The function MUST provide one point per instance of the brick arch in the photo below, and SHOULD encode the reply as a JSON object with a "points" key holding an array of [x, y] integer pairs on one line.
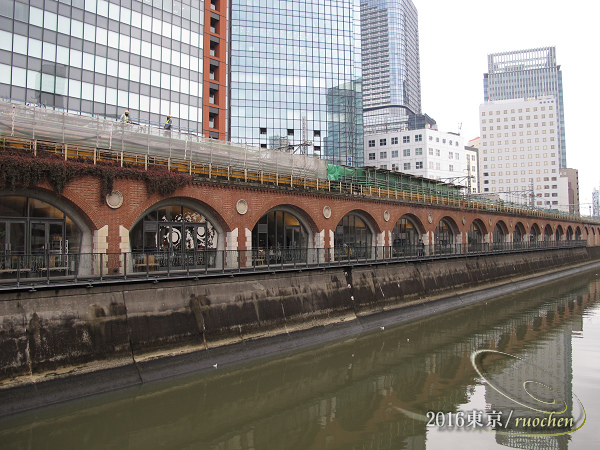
{"points": [[548, 232], [415, 220], [207, 211], [301, 214], [482, 225], [569, 233], [538, 232], [503, 226], [81, 217], [453, 226], [371, 221], [560, 231], [524, 235], [451, 221]]}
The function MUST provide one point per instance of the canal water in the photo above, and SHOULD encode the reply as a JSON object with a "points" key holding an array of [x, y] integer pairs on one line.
{"points": [[488, 376]]}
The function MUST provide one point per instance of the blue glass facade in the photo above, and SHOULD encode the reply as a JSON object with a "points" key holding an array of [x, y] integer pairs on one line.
{"points": [[101, 57], [295, 76], [526, 74], [391, 65]]}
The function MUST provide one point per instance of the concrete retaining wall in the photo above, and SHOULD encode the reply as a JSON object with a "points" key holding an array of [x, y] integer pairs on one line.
{"points": [[53, 333]]}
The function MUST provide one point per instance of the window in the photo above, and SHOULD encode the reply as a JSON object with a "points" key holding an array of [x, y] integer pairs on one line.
{"points": [[418, 138], [263, 131], [451, 168], [394, 141], [382, 155], [407, 166], [290, 132], [418, 151], [437, 152], [450, 155], [383, 166], [394, 153], [406, 152], [430, 151], [372, 143], [395, 167], [405, 139], [382, 142], [419, 165], [371, 156]]}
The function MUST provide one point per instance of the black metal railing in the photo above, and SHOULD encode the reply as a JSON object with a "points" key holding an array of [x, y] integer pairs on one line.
{"points": [[31, 270]]}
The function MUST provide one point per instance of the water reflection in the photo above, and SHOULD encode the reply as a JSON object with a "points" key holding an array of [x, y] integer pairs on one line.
{"points": [[369, 392]]}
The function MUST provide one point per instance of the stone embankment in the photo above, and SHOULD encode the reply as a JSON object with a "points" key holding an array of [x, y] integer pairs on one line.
{"points": [[61, 344]]}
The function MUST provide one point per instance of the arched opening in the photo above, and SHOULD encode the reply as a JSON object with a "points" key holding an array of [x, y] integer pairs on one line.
{"points": [[36, 239], [353, 238], [444, 236], [475, 236], [499, 236], [405, 237], [558, 236], [534, 235], [173, 237], [547, 233], [569, 234], [518, 235], [279, 238]]}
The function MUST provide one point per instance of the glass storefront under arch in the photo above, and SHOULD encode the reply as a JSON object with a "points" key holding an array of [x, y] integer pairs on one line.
{"points": [[534, 235], [518, 234], [279, 238], [405, 237], [36, 237], [547, 233], [174, 236], [444, 237], [499, 236], [353, 238], [569, 234], [475, 237]]}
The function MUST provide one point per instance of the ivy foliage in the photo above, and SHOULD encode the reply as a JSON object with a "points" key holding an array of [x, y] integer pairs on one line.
{"points": [[22, 169]]}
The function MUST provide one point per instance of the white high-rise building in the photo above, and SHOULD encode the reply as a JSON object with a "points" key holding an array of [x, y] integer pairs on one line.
{"points": [[426, 152], [519, 157]]}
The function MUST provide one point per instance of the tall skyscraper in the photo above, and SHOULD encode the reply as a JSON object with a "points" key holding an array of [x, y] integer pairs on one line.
{"points": [[295, 77], [103, 57], [527, 74], [391, 67]]}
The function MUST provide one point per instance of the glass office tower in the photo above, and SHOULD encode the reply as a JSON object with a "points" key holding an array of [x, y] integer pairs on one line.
{"points": [[103, 57], [526, 74], [295, 77], [391, 67]]}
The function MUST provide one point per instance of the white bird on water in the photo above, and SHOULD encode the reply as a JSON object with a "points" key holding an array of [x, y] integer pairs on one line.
{"points": [[383, 328], [215, 365]]}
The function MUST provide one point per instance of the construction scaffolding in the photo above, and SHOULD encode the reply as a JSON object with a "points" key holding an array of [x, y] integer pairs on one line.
{"points": [[34, 122]]}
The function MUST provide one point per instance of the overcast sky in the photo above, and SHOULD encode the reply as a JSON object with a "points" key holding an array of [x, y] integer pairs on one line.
{"points": [[457, 35]]}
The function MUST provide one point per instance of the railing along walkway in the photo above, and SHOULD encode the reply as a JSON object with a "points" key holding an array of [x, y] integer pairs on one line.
{"points": [[19, 271]]}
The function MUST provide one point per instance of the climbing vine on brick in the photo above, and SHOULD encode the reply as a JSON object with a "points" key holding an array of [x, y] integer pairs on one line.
{"points": [[22, 169]]}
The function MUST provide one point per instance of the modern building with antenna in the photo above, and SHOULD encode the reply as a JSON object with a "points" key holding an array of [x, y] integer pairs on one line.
{"points": [[527, 74]]}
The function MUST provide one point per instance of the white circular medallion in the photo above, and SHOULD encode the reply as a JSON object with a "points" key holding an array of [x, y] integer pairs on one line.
{"points": [[327, 212], [114, 200], [241, 207], [386, 216], [464, 220], [429, 218]]}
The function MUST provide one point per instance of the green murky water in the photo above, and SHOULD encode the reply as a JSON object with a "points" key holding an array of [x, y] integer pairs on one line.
{"points": [[396, 388]]}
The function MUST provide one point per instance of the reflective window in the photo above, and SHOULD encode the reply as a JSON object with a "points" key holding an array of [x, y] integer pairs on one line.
{"points": [[279, 238]]}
